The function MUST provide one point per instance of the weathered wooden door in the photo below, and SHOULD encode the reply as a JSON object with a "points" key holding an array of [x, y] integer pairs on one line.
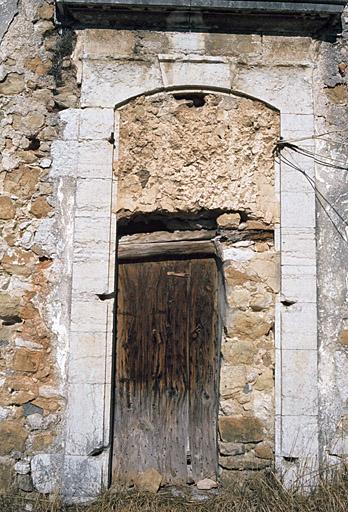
{"points": [[166, 369]]}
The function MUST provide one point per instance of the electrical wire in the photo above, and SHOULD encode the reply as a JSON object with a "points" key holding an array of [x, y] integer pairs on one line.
{"points": [[317, 136], [319, 159], [313, 184], [321, 198], [333, 141]]}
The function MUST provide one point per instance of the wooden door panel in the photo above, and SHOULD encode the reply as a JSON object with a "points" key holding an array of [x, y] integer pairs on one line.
{"points": [[166, 364], [151, 372]]}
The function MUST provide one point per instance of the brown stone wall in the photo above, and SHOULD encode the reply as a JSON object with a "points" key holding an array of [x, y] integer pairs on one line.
{"points": [[35, 83], [177, 157], [246, 421]]}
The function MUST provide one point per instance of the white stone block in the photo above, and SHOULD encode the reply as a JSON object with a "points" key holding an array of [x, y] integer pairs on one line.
{"points": [[92, 251], [89, 316], [298, 246], [90, 277], [93, 198], [299, 382], [278, 87], [47, 474], [297, 210], [107, 423], [187, 42], [83, 477], [107, 43], [198, 71], [71, 120], [277, 385], [95, 159], [297, 126], [298, 283], [87, 233], [64, 158], [277, 435], [4, 412], [22, 467], [96, 123], [299, 436], [85, 344], [299, 326], [108, 83], [237, 254], [84, 418], [293, 180], [277, 50], [89, 369]]}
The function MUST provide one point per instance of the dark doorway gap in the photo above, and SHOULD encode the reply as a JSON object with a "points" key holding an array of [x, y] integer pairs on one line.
{"points": [[178, 221]]}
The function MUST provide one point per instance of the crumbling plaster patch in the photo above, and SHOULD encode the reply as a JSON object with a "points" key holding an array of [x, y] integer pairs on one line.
{"points": [[175, 157], [9, 8]]}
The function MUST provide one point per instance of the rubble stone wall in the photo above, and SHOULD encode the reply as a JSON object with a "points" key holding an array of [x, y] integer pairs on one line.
{"points": [[37, 80]]}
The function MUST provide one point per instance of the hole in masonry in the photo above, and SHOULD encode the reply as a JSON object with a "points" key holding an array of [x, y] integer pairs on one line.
{"points": [[287, 302], [44, 258], [194, 99], [34, 143], [106, 296], [11, 320], [290, 459], [97, 451], [149, 223]]}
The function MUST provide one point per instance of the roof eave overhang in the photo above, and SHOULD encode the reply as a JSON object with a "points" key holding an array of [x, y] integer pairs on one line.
{"points": [[306, 17]]}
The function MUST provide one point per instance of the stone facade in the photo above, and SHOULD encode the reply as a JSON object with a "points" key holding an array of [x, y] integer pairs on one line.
{"points": [[80, 113]]}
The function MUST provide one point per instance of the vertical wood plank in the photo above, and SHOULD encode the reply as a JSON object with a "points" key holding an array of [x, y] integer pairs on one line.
{"points": [[203, 362]]}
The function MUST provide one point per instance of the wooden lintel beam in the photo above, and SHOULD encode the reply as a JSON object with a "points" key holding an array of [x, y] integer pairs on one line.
{"points": [[166, 249]]}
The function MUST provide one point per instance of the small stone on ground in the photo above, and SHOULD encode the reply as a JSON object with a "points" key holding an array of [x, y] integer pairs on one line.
{"points": [[150, 480], [206, 484]]}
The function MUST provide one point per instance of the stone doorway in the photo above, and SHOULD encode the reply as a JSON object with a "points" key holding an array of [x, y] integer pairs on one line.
{"points": [[201, 165]]}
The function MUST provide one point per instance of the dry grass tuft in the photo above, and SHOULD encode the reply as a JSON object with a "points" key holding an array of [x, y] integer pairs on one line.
{"points": [[262, 494]]}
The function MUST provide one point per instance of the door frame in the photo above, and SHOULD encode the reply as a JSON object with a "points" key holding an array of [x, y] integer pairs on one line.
{"points": [[187, 244]]}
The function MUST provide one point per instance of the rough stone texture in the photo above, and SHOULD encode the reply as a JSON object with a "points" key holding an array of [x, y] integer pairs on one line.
{"points": [[162, 167], [240, 429], [12, 437], [247, 372], [6, 477], [331, 117], [206, 484], [35, 67], [7, 208], [8, 11]]}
